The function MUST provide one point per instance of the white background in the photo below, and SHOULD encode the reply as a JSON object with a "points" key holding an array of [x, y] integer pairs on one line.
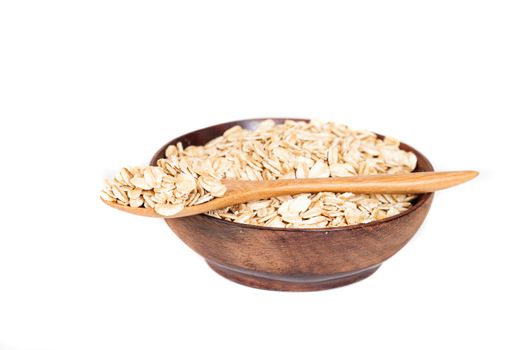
{"points": [[89, 86]]}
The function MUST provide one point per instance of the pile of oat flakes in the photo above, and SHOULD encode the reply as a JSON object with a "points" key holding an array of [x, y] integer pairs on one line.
{"points": [[192, 175]]}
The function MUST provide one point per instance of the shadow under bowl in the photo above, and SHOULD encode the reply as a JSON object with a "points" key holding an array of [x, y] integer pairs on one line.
{"points": [[295, 259]]}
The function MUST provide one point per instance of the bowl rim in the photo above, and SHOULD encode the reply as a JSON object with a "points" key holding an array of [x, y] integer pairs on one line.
{"points": [[422, 200]]}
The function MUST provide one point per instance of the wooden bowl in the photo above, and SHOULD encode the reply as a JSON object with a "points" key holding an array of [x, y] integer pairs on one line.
{"points": [[294, 259]]}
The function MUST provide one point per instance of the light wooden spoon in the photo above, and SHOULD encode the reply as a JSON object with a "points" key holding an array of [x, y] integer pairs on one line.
{"points": [[241, 191]]}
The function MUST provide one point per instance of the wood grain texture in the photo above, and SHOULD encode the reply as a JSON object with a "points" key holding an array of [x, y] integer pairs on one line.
{"points": [[242, 191], [295, 259]]}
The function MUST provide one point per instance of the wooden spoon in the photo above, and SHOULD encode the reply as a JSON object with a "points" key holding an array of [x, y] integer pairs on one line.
{"points": [[241, 191]]}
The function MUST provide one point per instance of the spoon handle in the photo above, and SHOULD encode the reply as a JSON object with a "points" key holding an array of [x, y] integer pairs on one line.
{"points": [[420, 182]]}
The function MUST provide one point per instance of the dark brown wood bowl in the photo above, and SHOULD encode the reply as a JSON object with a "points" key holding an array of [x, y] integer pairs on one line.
{"points": [[295, 259]]}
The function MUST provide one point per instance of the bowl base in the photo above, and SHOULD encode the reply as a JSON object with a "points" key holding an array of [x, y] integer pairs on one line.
{"points": [[286, 283]]}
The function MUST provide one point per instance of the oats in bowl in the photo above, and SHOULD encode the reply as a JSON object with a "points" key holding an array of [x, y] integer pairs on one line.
{"points": [[191, 175]]}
